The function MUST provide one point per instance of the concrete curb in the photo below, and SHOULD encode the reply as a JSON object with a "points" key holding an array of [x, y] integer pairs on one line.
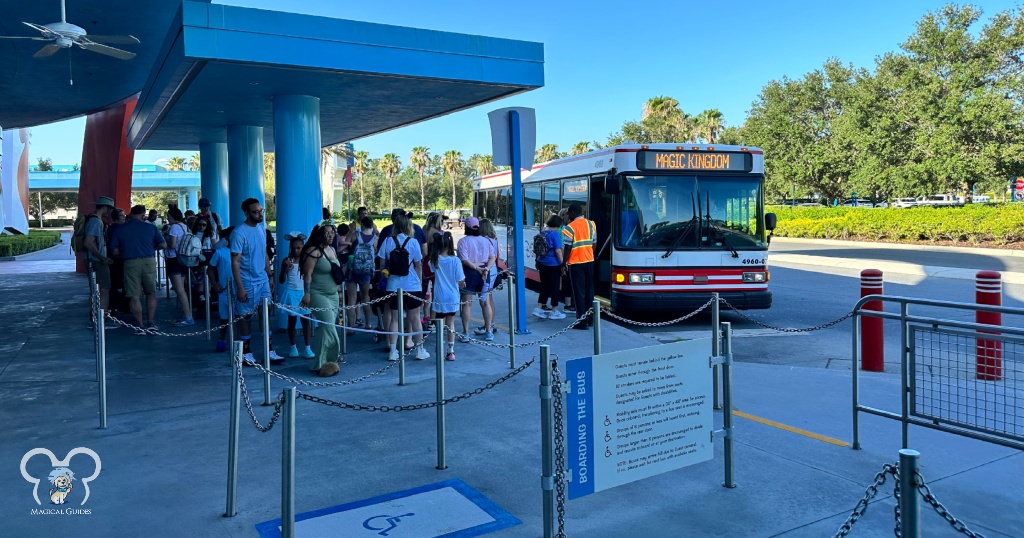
{"points": [[26, 255], [905, 246], [788, 260]]}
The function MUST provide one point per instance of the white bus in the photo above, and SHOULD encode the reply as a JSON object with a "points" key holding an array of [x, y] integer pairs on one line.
{"points": [[675, 222]]}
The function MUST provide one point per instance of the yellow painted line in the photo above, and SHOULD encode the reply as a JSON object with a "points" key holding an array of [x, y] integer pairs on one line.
{"points": [[790, 429], [480, 320]]}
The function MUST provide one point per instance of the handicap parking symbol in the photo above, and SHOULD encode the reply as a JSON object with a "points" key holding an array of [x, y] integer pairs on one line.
{"points": [[388, 522]]}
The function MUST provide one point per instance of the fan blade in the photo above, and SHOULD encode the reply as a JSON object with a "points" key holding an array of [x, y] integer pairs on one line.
{"points": [[36, 38], [114, 39], [103, 49], [47, 33], [48, 50]]}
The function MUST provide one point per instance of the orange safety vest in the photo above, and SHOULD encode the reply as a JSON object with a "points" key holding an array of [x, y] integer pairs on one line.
{"points": [[580, 234]]}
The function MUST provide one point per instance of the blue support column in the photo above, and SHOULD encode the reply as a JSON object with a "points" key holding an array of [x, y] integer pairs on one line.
{"points": [[193, 200], [297, 165], [245, 169], [517, 233], [213, 177]]}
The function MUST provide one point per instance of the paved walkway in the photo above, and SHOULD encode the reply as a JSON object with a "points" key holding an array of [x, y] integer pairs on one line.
{"points": [[164, 453]]}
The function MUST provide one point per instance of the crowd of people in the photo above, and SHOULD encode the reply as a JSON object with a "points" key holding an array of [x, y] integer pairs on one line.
{"points": [[439, 279]]}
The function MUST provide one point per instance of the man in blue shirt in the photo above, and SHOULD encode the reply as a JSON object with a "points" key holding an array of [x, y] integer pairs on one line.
{"points": [[250, 268], [136, 242]]}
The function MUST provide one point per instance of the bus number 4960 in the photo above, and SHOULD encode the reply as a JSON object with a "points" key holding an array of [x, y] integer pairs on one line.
{"points": [[753, 261]]}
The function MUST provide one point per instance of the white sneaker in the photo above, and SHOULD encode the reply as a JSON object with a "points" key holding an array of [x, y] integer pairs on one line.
{"points": [[274, 357], [555, 314], [421, 354], [540, 313], [248, 360], [464, 339], [393, 354], [489, 336], [479, 331]]}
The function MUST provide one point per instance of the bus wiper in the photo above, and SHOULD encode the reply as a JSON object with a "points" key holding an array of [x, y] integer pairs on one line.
{"points": [[685, 231], [719, 232]]}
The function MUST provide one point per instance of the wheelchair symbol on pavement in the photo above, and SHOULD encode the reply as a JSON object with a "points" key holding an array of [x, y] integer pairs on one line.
{"points": [[389, 522]]}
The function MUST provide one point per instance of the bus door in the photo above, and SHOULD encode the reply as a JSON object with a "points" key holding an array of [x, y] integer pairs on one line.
{"points": [[602, 207]]}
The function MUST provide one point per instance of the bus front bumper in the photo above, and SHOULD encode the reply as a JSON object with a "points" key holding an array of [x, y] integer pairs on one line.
{"points": [[683, 302]]}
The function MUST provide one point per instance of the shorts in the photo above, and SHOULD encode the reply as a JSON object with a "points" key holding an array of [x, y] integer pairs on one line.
{"points": [[102, 271], [443, 315], [355, 278], [257, 291], [139, 277], [222, 305], [411, 300], [175, 268]]}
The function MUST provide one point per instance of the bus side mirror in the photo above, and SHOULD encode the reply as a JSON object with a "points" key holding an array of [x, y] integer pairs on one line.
{"points": [[612, 183], [770, 221]]}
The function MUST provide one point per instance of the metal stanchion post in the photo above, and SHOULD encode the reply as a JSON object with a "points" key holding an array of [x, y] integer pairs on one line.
{"points": [[266, 351], [716, 349], [595, 316], [288, 465], [511, 324], [167, 279], [400, 342], [206, 294], [727, 444], [101, 365], [547, 443], [439, 356], [236, 404], [188, 292], [344, 319], [910, 508]]}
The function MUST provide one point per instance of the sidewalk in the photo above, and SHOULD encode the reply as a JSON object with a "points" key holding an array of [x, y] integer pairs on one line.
{"points": [[164, 455]]}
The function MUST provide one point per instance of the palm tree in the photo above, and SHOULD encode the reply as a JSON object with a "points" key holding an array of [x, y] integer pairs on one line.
{"points": [[711, 123], [658, 106], [452, 163], [193, 162], [547, 152], [359, 167], [390, 165], [579, 148], [482, 164], [176, 163], [419, 159]]}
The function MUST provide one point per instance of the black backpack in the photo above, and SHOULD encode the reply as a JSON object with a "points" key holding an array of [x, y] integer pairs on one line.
{"points": [[398, 259], [540, 244]]}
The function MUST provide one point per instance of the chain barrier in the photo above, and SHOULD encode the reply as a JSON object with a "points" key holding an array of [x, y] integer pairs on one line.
{"points": [[581, 319], [278, 405], [786, 329], [929, 498], [290, 312], [259, 367], [612, 315], [155, 332], [890, 469], [414, 407], [556, 394]]}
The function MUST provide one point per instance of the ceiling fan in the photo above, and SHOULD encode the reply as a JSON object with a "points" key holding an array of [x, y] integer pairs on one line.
{"points": [[62, 35]]}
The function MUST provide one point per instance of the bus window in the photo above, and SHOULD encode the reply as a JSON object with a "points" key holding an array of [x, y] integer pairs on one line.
{"points": [[503, 203], [478, 202], [491, 205], [575, 190], [551, 201], [531, 205]]}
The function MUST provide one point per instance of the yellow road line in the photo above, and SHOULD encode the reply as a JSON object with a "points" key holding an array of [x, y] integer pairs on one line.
{"points": [[480, 320], [790, 429]]}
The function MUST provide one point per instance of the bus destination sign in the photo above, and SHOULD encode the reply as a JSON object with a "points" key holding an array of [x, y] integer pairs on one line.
{"points": [[707, 161]]}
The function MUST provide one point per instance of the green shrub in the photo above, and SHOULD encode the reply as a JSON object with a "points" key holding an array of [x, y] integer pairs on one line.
{"points": [[15, 245], [971, 224]]}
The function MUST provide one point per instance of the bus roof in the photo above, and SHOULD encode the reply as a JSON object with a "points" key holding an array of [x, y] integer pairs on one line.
{"points": [[603, 160]]}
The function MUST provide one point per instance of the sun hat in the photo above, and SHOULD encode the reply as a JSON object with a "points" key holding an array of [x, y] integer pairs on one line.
{"points": [[472, 222], [105, 201]]}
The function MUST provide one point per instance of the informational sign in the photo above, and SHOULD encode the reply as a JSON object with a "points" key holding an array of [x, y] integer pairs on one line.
{"points": [[694, 160], [500, 144], [637, 413], [1017, 189]]}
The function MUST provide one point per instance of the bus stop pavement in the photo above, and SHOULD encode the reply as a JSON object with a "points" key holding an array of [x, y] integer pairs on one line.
{"points": [[164, 454]]}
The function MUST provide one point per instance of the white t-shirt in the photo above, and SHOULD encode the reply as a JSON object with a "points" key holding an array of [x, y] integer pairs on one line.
{"points": [[410, 282], [177, 231], [447, 275]]}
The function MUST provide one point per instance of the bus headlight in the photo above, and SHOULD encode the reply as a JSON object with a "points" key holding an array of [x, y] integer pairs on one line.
{"points": [[755, 277], [641, 278]]}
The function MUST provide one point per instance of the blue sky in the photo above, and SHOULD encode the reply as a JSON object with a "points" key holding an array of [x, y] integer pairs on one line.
{"points": [[604, 59]]}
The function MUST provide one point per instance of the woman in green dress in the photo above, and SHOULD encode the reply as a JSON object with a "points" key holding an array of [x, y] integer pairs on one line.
{"points": [[321, 294]]}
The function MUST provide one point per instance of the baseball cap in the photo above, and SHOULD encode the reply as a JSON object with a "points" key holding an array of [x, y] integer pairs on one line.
{"points": [[204, 202], [105, 201], [472, 222]]}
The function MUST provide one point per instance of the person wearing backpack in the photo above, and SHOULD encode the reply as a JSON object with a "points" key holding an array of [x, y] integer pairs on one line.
{"points": [[176, 232], [402, 256], [363, 265], [547, 248], [90, 236]]}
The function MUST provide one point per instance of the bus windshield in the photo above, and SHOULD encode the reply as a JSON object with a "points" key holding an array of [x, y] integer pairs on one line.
{"points": [[691, 212]]}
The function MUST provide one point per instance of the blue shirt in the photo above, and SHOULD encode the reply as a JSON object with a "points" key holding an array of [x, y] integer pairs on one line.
{"points": [[251, 243], [553, 240], [136, 239]]}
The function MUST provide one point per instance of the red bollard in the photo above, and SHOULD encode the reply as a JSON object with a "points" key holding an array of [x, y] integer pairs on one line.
{"points": [[872, 340], [989, 353]]}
